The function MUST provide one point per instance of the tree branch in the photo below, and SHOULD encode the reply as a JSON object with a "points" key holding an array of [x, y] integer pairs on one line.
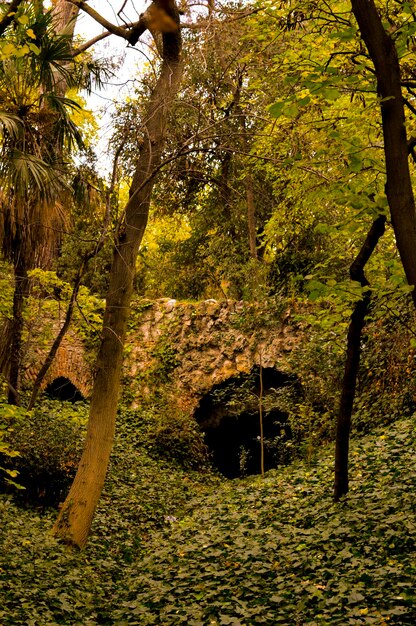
{"points": [[234, 18], [133, 32], [91, 42], [120, 31], [8, 18]]}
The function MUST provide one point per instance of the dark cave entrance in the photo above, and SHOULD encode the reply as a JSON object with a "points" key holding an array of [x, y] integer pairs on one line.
{"points": [[229, 417], [62, 389]]}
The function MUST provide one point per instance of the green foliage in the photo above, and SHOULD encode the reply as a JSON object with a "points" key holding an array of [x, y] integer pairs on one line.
{"points": [[42, 448], [387, 387], [6, 451], [175, 437], [261, 314], [258, 551], [386, 384], [6, 286], [147, 484], [49, 442], [165, 359], [51, 294], [252, 551], [89, 319]]}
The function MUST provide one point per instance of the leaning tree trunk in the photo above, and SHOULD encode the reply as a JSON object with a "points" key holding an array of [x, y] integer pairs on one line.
{"points": [[74, 295], [352, 361], [40, 377], [399, 190], [75, 517]]}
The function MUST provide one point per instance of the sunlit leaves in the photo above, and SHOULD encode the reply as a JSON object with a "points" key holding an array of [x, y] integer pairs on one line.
{"points": [[23, 19], [10, 124], [16, 42]]}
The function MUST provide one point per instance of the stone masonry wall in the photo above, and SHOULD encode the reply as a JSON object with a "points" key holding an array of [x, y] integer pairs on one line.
{"points": [[193, 346], [181, 348]]}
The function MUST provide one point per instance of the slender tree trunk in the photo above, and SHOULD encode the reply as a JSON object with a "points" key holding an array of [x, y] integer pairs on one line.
{"points": [[261, 418], [21, 293], [399, 190], [77, 284], [251, 215], [5, 339], [75, 518], [352, 361], [58, 339]]}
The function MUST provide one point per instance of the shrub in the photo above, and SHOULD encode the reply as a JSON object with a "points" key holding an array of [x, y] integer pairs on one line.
{"points": [[176, 437], [7, 469], [49, 443]]}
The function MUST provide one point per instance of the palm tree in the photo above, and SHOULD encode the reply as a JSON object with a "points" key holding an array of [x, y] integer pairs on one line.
{"points": [[36, 137]]}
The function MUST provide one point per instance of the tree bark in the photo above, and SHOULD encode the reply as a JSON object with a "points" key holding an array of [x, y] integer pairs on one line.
{"points": [[75, 517], [65, 14], [352, 360], [20, 295], [398, 186], [251, 215], [58, 339]]}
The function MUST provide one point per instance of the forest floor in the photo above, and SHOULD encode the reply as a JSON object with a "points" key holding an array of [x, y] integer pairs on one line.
{"points": [[170, 546]]}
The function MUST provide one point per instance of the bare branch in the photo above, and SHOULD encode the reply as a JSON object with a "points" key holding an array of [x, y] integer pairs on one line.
{"points": [[82, 48], [233, 18], [120, 31]]}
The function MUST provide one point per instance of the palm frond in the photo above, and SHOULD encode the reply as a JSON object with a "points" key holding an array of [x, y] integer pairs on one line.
{"points": [[27, 175], [65, 131], [55, 61], [94, 73], [11, 124]]}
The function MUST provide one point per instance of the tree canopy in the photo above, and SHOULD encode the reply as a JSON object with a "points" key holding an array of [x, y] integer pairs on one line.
{"points": [[264, 153]]}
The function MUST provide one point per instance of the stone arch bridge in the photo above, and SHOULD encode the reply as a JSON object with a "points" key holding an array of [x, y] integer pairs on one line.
{"points": [[188, 348], [209, 359]]}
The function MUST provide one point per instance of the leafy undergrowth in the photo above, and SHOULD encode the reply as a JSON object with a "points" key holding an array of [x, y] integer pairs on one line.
{"points": [[252, 551]]}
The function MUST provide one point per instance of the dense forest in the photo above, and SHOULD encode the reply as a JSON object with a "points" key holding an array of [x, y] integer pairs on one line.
{"points": [[207, 312]]}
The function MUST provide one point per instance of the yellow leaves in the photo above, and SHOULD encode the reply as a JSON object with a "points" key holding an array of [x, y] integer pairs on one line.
{"points": [[34, 48], [82, 117], [22, 51], [11, 473], [8, 50], [23, 19], [11, 49]]}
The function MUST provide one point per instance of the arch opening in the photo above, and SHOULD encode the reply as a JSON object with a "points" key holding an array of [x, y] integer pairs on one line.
{"points": [[229, 416], [64, 390]]}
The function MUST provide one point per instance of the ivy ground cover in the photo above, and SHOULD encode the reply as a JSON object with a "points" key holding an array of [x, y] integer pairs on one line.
{"points": [[241, 552]]}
